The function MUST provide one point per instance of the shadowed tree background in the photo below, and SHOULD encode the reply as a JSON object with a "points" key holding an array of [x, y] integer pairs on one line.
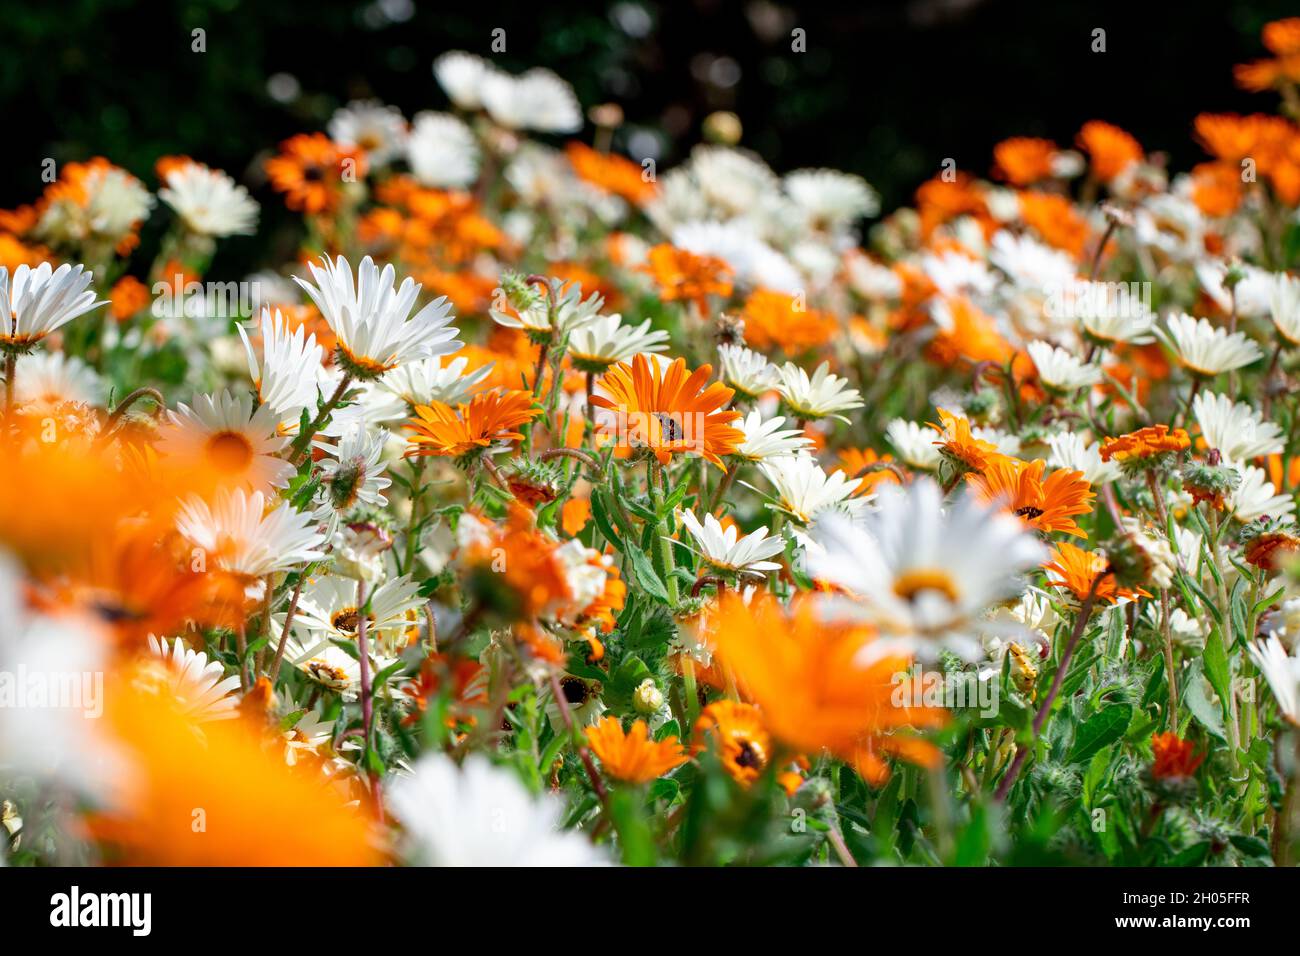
{"points": [[887, 90]]}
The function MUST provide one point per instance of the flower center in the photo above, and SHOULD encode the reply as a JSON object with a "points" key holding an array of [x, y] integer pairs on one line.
{"points": [[914, 582], [348, 619], [230, 452]]}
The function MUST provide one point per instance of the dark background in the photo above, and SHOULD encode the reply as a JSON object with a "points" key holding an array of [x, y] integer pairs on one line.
{"points": [[885, 89]]}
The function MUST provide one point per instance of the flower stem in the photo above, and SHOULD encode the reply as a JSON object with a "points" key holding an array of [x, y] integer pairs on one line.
{"points": [[301, 447]]}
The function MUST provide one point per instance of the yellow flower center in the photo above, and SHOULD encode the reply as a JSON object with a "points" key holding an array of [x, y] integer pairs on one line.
{"points": [[911, 583], [230, 452]]}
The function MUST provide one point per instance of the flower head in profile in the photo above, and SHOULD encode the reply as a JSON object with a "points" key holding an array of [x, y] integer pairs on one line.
{"points": [[632, 756], [668, 410], [1208, 351], [804, 490], [962, 452], [1062, 371], [1282, 671], [597, 345], [746, 371], [287, 377], [725, 551], [489, 418], [1045, 505], [1150, 447], [768, 439], [425, 381], [36, 302], [555, 309], [197, 685], [820, 396], [371, 316], [249, 537]]}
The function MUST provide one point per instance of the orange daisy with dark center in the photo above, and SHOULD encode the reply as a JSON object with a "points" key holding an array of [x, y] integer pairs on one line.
{"points": [[669, 410], [1043, 504], [743, 743], [1075, 569]]}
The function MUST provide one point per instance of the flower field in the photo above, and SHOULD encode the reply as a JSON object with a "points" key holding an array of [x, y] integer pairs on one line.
{"points": [[546, 506]]}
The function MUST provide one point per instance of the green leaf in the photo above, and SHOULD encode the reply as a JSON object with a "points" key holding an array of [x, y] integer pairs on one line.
{"points": [[1101, 729], [645, 574], [1196, 697], [1215, 663]]}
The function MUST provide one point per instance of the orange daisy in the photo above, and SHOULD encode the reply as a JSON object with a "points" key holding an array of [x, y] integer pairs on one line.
{"points": [[633, 757], [1075, 569], [1174, 758], [744, 745], [683, 276], [310, 170], [1110, 149], [669, 410], [774, 319], [1045, 505], [1145, 443], [610, 173], [490, 416], [853, 461], [959, 445], [1024, 160], [809, 678]]}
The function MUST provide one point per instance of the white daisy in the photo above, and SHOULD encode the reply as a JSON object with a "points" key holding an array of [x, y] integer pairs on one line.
{"points": [[765, 440], [822, 396], [354, 476], [1282, 673], [923, 574], [1031, 265], [1256, 497], [1060, 370], [804, 490], [442, 151], [571, 311], [754, 262], [1070, 450], [914, 444], [1206, 350], [429, 380], [1284, 307], [478, 814], [537, 100], [372, 318], [45, 380], [332, 667], [223, 436], [831, 199], [110, 203], [1109, 314], [209, 202], [724, 550], [598, 344], [1235, 428], [747, 371], [38, 301], [1249, 297], [287, 379], [198, 684], [371, 126], [327, 611], [241, 536], [461, 76]]}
